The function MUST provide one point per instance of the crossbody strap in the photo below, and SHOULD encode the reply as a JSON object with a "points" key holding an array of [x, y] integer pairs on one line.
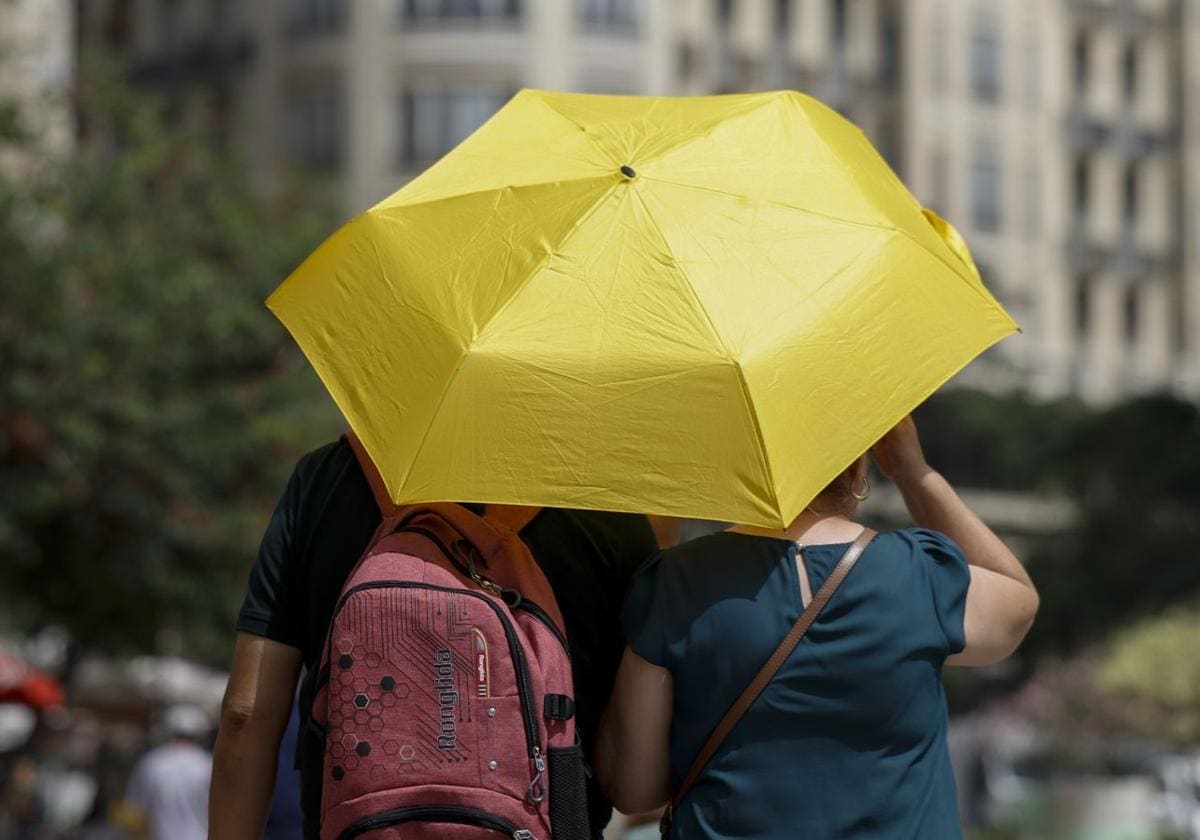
{"points": [[768, 670]]}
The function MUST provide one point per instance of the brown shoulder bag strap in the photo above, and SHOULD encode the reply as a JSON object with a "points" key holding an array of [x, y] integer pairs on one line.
{"points": [[768, 671]]}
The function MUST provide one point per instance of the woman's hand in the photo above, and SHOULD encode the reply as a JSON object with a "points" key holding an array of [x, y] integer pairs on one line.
{"points": [[898, 453]]}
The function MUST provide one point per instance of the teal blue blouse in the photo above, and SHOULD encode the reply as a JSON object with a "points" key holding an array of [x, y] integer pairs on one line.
{"points": [[849, 740]]}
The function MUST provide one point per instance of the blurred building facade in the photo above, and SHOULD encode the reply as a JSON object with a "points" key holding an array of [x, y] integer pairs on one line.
{"points": [[1062, 138], [37, 66]]}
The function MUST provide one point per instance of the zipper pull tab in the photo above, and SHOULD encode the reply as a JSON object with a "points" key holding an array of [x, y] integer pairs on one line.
{"points": [[537, 791], [523, 834]]}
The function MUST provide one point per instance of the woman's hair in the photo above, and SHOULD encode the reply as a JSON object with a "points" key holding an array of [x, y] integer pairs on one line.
{"points": [[838, 495]]}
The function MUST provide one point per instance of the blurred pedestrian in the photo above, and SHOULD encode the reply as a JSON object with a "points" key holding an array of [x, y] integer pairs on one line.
{"points": [[169, 784], [22, 802]]}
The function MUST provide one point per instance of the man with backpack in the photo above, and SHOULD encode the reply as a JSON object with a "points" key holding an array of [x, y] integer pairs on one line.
{"points": [[325, 520]]}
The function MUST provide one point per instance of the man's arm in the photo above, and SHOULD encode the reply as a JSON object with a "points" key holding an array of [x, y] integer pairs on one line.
{"points": [[254, 715]]}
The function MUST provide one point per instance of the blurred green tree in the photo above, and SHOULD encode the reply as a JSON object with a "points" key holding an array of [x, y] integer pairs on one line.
{"points": [[1153, 668], [150, 408], [1134, 471]]}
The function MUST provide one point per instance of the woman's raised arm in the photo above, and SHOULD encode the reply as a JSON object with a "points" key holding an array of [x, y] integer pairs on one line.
{"points": [[1001, 599]]}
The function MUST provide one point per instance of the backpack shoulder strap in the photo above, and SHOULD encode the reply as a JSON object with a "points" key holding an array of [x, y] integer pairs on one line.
{"points": [[768, 671], [513, 518]]}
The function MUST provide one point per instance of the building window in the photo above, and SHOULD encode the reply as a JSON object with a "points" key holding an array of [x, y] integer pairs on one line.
{"points": [[939, 182], [314, 125], [609, 14], [424, 11], [1129, 311], [1033, 201], [1081, 185], [783, 16], [939, 55], [1032, 70], [985, 193], [315, 17], [985, 64], [1129, 71], [889, 46], [1129, 193], [434, 122], [888, 134], [837, 14], [1083, 306], [1081, 59]]}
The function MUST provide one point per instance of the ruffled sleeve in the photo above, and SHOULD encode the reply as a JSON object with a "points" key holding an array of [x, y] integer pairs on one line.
{"points": [[644, 613], [949, 577]]}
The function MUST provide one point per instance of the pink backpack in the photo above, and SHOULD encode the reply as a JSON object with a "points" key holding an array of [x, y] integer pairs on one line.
{"points": [[444, 691]]}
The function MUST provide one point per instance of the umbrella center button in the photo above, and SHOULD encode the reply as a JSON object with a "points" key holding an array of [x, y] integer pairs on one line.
{"points": [[628, 172]]}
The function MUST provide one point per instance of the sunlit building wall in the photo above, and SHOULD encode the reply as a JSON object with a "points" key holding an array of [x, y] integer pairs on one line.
{"points": [[376, 91], [37, 66], [1061, 137]]}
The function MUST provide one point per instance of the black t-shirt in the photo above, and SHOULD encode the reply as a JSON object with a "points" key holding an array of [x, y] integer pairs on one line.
{"points": [[327, 515]]}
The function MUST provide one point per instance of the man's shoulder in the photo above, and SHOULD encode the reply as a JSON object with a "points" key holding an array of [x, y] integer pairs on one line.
{"points": [[320, 471]]}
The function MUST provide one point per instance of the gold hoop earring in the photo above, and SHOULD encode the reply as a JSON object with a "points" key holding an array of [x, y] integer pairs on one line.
{"points": [[862, 497]]}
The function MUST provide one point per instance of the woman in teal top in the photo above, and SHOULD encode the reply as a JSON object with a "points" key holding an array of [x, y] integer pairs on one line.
{"points": [[849, 738]]}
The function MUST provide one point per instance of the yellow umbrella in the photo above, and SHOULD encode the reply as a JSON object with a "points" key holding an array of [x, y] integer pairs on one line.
{"points": [[701, 307]]}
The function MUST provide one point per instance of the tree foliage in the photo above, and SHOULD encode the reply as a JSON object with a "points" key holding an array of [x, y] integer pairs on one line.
{"points": [[1153, 666], [150, 407]]}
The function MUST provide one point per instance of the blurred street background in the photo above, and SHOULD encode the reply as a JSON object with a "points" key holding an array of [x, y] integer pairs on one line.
{"points": [[165, 163]]}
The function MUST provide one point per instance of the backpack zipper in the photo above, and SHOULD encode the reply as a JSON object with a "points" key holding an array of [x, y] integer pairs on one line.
{"points": [[435, 813], [516, 601], [536, 791]]}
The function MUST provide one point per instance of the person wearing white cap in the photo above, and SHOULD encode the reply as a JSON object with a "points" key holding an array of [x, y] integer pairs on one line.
{"points": [[169, 784]]}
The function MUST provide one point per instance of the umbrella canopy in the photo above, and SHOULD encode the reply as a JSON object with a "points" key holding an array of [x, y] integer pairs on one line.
{"points": [[701, 307]]}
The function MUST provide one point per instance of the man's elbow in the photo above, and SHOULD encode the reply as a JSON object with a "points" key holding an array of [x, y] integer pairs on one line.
{"points": [[239, 716]]}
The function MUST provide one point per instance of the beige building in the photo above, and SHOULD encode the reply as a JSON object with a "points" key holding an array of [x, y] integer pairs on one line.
{"points": [[1062, 137], [377, 90], [37, 66]]}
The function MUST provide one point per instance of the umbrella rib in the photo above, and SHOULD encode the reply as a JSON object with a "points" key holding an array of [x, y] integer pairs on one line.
{"points": [[582, 128], [908, 196], [781, 204], [499, 311], [392, 209], [767, 98], [894, 229], [764, 461]]}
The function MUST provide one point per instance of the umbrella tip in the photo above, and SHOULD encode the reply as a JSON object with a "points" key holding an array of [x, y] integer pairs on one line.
{"points": [[628, 172]]}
